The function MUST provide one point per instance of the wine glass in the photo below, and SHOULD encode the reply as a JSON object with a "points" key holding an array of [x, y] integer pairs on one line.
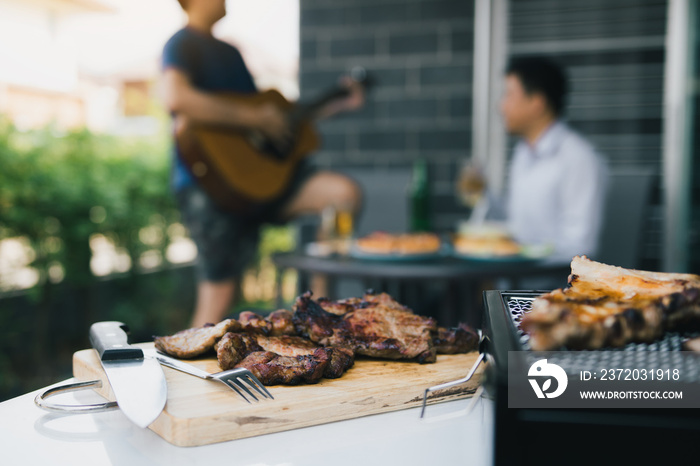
{"points": [[471, 191], [471, 183]]}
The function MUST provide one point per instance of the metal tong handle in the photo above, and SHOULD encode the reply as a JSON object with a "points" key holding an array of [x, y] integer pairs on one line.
{"points": [[42, 403], [482, 352]]}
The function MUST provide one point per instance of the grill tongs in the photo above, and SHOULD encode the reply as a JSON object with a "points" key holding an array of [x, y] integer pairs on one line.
{"points": [[482, 351]]}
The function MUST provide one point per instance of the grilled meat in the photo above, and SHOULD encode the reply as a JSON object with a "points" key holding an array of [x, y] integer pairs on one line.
{"points": [[277, 323], [339, 359], [373, 325], [253, 322], [461, 339], [282, 324], [377, 327], [234, 347], [195, 341], [282, 360], [272, 369], [340, 307], [286, 345], [343, 306], [605, 305], [692, 344]]}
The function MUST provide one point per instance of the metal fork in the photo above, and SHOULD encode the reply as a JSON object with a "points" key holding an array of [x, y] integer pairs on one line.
{"points": [[236, 379]]}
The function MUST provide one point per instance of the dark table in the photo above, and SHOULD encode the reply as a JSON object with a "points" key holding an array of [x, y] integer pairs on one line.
{"points": [[464, 278]]}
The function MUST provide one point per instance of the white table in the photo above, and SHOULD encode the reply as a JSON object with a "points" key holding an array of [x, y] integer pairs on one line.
{"points": [[446, 436]]}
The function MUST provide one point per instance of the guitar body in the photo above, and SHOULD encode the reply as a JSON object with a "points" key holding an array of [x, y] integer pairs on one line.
{"points": [[233, 167]]}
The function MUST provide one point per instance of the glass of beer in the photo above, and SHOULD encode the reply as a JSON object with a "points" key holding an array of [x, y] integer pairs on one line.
{"points": [[344, 228]]}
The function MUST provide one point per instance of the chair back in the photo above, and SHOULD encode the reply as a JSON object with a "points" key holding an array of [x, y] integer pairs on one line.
{"points": [[626, 209]]}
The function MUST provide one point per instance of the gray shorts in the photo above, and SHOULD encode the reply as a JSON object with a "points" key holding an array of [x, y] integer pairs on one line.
{"points": [[228, 242]]}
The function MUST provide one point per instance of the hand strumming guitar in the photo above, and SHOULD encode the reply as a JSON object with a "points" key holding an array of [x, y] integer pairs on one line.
{"points": [[272, 122]]}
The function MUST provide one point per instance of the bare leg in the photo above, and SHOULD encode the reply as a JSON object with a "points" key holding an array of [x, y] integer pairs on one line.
{"points": [[319, 286], [213, 301], [321, 190], [324, 189]]}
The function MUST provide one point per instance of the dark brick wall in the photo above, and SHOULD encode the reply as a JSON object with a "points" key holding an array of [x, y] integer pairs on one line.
{"points": [[420, 52]]}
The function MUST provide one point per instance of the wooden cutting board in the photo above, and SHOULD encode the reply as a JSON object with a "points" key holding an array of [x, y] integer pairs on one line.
{"points": [[200, 412]]}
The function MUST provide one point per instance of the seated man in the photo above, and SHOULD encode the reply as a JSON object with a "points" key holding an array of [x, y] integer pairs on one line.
{"points": [[557, 181]]}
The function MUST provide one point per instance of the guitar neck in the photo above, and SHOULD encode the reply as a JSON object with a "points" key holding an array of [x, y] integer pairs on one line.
{"points": [[310, 110]]}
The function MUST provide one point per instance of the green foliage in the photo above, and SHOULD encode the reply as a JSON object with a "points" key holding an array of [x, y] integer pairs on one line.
{"points": [[57, 190], [275, 239]]}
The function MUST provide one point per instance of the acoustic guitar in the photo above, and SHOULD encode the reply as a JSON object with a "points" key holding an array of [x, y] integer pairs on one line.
{"points": [[241, 169]]}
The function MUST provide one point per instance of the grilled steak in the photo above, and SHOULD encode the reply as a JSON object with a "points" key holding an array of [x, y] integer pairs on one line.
{"points": [[234, 347], [253, 322], [461, 339], [339, 307], [605, 305], [343, 306], [195, 341], [339, 359], [281, 322], [277, 323], [377, 327], [273, 349], [272, 369], [282, 360], [286, 345]]}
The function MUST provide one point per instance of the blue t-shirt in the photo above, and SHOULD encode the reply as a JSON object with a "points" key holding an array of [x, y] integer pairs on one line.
{"points": [[212, 66]]}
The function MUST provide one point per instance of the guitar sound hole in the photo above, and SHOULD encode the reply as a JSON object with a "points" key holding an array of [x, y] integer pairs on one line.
{"points": [[265, 146]]}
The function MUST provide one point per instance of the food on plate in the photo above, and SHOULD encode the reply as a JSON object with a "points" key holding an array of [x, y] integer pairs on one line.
{"points": [[407, 243], [320, 338], [193, 342], [498, 246], [604, 305], [377, 243]]}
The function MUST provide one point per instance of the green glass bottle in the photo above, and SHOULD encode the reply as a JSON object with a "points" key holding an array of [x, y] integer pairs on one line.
{"points": [[420, 197]]}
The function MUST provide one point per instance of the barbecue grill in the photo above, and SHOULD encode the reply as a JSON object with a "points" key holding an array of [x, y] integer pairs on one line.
{"points": [[579, 436]]}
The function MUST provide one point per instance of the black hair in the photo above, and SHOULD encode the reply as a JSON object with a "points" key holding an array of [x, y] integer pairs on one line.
{"points": [[540, 75]]}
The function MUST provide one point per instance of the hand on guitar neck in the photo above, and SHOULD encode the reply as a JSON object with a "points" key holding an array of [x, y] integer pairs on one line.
{"points": [[354, 100]]}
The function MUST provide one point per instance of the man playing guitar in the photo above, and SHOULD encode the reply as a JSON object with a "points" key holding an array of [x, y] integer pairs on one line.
{"points": [[196, 66]]}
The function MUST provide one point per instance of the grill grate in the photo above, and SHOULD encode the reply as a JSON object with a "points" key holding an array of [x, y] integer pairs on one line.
{"points": [[665, 352]]}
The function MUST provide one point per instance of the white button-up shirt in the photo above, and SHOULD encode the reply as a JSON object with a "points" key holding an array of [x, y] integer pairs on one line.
{"points": [[556, 193]]}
